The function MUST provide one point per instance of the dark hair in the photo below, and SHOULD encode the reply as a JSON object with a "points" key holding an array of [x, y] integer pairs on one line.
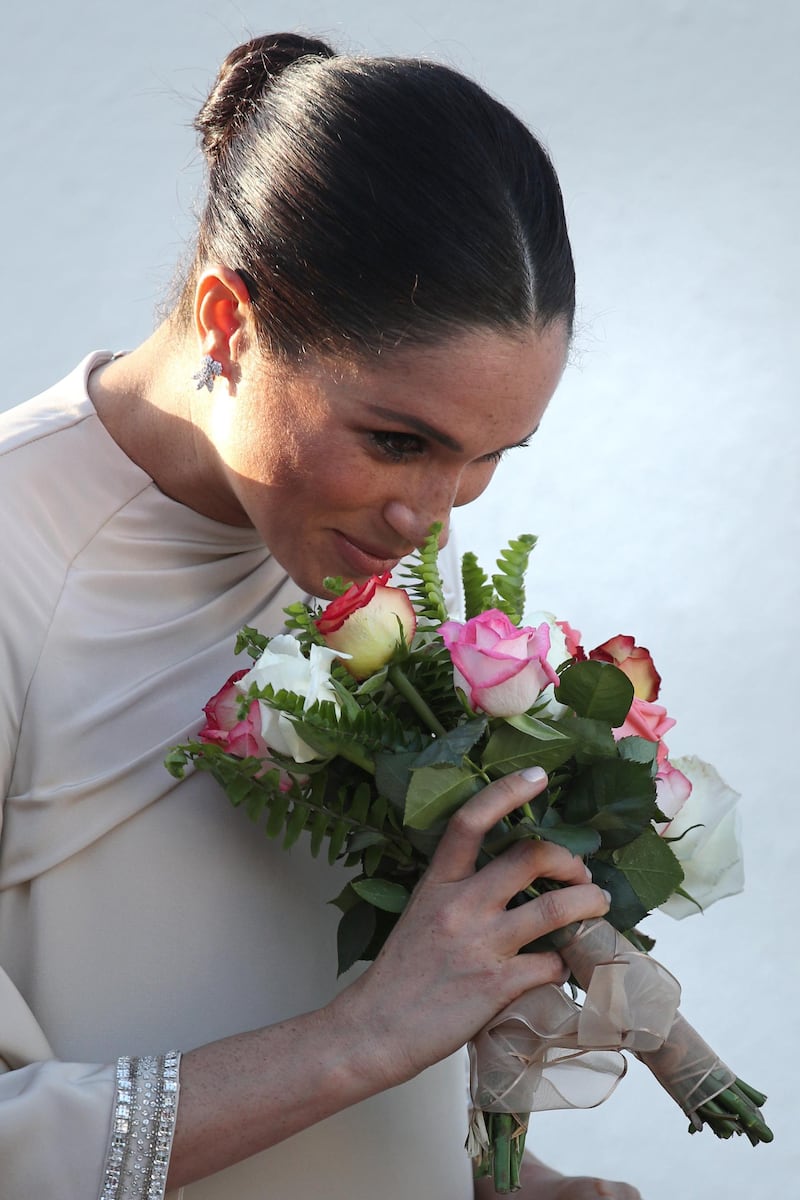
{"points": [[371, 201]]}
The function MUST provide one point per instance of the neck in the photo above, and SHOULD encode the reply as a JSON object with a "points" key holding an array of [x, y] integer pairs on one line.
{"points": [[150, 406]]}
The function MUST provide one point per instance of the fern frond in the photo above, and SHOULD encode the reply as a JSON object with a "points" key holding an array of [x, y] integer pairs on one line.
{"points": [[425, 586], [509, 582], [251, 640], [478, 591], [300, 619]]}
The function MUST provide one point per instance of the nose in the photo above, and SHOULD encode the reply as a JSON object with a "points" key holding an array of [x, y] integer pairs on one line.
{"points": [[413, 523]]}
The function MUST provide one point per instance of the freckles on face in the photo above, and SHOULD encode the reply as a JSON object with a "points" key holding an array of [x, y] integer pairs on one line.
{"points": [[343, 469]]}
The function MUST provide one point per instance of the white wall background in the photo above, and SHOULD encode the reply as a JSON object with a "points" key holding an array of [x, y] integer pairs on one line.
{"points": [[663, 484]]}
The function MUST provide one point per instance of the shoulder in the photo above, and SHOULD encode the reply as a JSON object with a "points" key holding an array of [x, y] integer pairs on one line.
{"points": [[60, 472]]}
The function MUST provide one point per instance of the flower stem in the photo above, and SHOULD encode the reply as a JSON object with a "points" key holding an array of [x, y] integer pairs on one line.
{"points": [[407, 690]]}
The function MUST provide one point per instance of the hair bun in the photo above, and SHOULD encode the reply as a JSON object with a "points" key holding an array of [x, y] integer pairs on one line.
{"points": [[246, 74]]}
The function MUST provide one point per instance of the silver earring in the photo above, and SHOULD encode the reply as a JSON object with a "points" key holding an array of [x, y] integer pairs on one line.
{"points": [[208, 372]]}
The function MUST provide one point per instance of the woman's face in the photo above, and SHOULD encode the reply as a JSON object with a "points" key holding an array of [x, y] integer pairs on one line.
{"points": [[342, 470]]}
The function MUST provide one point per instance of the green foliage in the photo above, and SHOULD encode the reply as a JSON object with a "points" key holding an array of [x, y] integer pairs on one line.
{"points": [[509, 582], [335, 585], [300, 620], [614, 796], [382, 893], [251, 640], [436, 792], [506, 590], [597, 690], [397, 754], [538, 743], [650, 868], [478, 591], [425, 582]]}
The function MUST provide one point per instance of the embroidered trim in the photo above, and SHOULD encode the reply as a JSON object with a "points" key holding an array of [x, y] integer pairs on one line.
{"points": [[142, 1129]]}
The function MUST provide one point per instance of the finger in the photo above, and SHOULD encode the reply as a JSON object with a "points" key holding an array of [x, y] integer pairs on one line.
{"points": [[457, 851], [553, 910], [522, 863]]}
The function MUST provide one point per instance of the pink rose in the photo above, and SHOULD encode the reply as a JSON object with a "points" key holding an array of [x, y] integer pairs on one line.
{"points": [[573, 639], [501, 668], [650, 721], [223, 726], [645, 720], [365, 624], [634, 661], [673, 788]]}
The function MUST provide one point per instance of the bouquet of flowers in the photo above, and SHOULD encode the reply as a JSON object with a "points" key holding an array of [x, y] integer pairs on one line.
{"points": [[376, 716]]}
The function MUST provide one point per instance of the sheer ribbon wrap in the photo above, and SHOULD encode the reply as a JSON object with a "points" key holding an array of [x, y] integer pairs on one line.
{"points": [[544, 1051]]}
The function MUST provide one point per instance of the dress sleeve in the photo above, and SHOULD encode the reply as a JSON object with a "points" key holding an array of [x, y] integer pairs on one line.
{"points": [[75, 1130]]}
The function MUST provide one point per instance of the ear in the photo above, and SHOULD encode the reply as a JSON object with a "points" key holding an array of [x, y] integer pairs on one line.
{"points": [[222, 313]]}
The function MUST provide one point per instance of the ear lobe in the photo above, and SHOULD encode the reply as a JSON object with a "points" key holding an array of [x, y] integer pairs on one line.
{"points": [[222, 312]]}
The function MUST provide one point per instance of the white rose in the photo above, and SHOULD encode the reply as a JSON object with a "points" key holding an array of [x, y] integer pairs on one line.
{"points": [[711, 855], [284, 666], [557, 654]]}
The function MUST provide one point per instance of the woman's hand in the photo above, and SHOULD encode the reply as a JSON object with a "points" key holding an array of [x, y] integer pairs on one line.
{"points": [[539, 1182], [448, 966], [453, 959]]}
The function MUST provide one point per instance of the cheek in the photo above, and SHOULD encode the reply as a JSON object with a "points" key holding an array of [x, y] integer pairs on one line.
{"points": [[473, 483]]}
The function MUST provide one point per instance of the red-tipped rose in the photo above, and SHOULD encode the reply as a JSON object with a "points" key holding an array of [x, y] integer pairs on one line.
{"points": [[634, 661], [366, 623]]}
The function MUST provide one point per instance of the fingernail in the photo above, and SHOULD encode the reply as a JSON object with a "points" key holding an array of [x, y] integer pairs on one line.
{"points": [[606, 894], [588, 873], [533, 775]]}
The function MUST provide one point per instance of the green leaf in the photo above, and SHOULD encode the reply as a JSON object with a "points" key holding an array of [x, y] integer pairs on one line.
{"points": [[373, 683], [651, 868], [393, 775], [346, 899], [372, 858], [358, 807], [450, 748], [593, 739], [382, 893], [278, 808], [597, 690], [541, 730], [436, 792], [335, 585], [295, 824], [626, 907], [329, 743], [638, 749], [349, 705], [354, 934], [319, 827], [363, 838], [576, 838], [176, 761], [613, 796], [526, 742], [338, 836], [251, 640]]}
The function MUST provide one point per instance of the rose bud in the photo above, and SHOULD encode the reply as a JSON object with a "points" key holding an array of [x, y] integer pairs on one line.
{"points": [[634, 661], [369, 622], [502, 669]]}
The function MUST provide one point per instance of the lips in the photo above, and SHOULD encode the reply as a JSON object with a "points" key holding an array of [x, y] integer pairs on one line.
{"points": [[365, 560]]}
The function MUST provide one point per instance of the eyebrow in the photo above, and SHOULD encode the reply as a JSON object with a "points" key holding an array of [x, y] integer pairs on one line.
{"points": [[430, 431], [418, 425]]}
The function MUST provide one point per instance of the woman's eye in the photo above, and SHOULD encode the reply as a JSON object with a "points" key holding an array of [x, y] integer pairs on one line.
{"points": [[397, 446]]}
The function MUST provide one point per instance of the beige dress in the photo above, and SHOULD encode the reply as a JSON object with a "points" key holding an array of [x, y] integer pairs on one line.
{"points": [[140, 915]]}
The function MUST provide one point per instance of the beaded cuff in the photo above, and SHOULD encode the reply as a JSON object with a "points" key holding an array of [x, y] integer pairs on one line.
{"points": [[142, 1128]]}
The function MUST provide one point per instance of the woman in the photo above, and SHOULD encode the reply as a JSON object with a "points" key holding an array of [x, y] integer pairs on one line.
{"points": [[379, 307]]}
